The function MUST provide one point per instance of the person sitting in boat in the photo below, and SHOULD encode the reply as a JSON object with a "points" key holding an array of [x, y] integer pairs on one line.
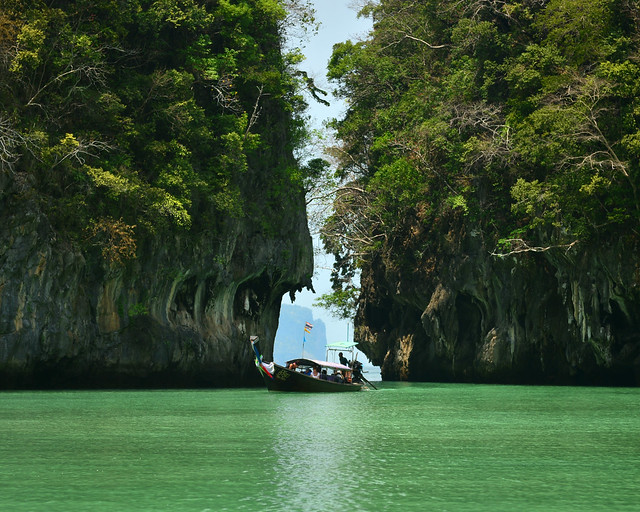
{"points": [[323, 374], [343, 360], [315, 373], [293, 366], [347, 377], [337, 377]]}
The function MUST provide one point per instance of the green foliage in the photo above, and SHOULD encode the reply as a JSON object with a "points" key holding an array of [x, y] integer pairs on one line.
{"points": [[396, 186], [537, 201], [579, 29], [137, 309], [521, 115], [458, 201], [159, 113], [341, 303], [30, 47]]}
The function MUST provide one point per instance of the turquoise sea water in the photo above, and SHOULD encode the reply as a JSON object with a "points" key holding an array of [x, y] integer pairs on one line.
{"points": [[406, 447]]}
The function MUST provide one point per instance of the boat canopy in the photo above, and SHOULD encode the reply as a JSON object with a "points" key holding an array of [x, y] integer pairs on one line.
{"points": [[301, 361], [340, 345]]}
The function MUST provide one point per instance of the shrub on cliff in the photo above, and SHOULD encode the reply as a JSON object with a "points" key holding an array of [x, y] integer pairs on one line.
{"points": [[520, 115], [167, 115]]}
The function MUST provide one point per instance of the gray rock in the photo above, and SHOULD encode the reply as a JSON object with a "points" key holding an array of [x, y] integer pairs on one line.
{"points": [[179, 315], [554, 317]]}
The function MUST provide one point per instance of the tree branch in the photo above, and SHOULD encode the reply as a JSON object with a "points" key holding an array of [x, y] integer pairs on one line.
{"points": [[256, 112], [519, 246]]}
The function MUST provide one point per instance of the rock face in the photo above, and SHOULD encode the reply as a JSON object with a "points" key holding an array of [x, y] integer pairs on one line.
{"points": [[179, 315], [173, 139], [553, 317]]}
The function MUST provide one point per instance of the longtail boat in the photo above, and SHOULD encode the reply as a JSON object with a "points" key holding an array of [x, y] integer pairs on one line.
{"points": [[300, 374]]}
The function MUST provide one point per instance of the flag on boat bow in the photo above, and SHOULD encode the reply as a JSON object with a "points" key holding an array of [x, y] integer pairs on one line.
{"points": [[266, 368]]}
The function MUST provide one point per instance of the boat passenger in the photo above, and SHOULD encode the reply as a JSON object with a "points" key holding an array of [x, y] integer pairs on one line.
{"points": [[347, 377], [337, 377], [293, 366], [323, 374], [315, 374]]}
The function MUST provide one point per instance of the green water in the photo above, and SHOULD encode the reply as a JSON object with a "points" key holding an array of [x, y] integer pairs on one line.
{"points": [[403, 448]]}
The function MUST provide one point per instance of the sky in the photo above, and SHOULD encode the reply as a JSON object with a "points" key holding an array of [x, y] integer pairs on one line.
{"points": [[339, 22]]}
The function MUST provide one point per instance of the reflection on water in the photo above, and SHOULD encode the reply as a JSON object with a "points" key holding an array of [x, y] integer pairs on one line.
{"points": [[451, 447], [315, 446]]}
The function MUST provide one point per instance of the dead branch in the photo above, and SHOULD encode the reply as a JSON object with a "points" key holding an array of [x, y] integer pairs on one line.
{"points": [[519, 246], [354, 223], [256, 112], [10, 140], [83, 150], [95, 75], [428, 45], [225, 96]]}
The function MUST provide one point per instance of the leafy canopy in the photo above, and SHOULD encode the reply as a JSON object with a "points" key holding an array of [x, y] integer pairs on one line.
{"points": [[159, 113], [521, 116]]}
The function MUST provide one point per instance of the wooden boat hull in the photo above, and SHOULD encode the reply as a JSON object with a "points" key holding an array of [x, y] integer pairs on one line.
{"points": [[290, 380]]}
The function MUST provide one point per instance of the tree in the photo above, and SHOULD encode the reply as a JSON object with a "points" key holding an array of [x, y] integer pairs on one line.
{"points": [[520, 116], [153, 113]]}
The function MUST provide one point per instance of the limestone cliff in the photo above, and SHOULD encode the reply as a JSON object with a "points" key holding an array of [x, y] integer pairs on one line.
{"points": [[179, 315], [152, 213], [565, 317]]}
